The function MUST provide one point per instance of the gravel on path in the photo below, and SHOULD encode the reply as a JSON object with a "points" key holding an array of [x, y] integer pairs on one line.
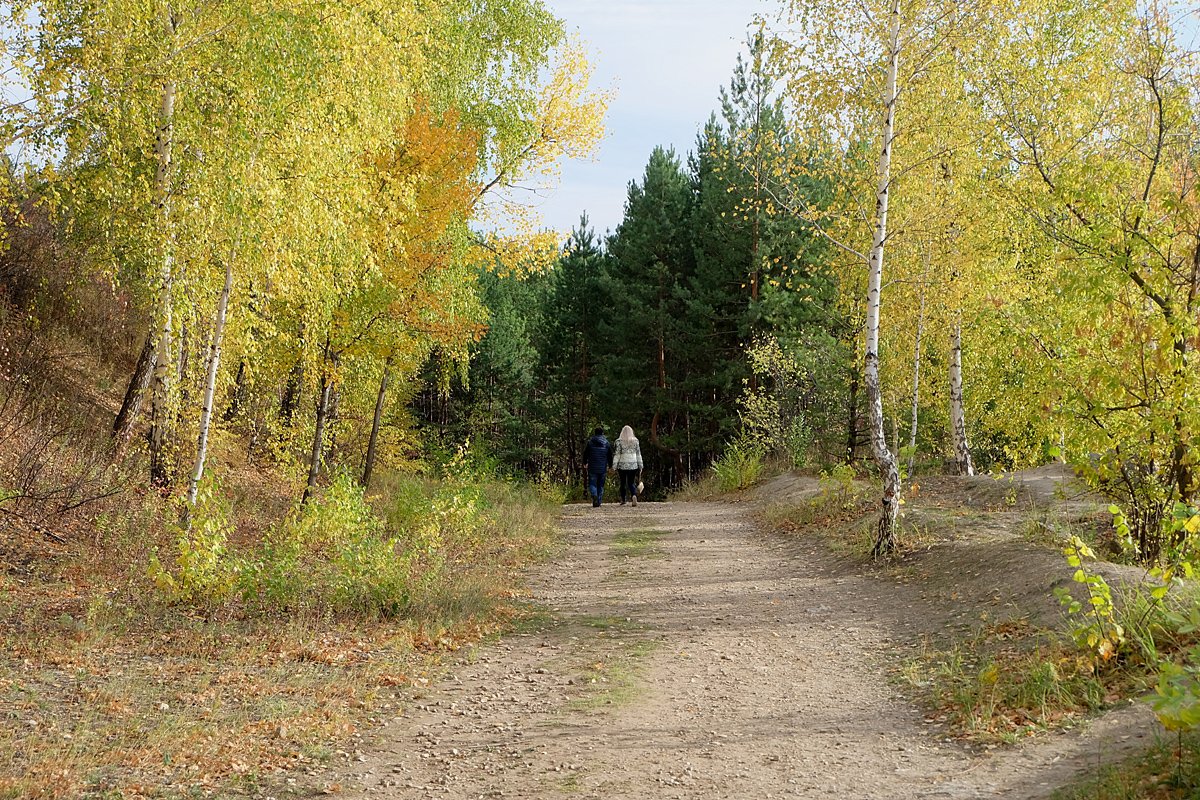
{"points": [[684, 654]]}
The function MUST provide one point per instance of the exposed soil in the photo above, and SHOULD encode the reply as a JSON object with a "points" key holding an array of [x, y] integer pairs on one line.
{"points": [[683, 653]]}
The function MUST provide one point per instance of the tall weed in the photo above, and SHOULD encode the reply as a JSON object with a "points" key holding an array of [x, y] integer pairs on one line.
{"points": [[740, 466]]}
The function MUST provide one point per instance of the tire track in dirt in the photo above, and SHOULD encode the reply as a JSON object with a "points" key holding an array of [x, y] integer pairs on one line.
{"points": [[702, 661]]}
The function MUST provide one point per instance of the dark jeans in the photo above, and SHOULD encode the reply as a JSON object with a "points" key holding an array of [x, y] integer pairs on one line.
{"points": [[629, 482], [595, 480]]}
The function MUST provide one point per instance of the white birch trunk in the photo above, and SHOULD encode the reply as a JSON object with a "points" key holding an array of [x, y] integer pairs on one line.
{"points": [[885, 541], [916, 384], [958, 416], [214, 364], [160, 382], [896, 435], [210, 384]]}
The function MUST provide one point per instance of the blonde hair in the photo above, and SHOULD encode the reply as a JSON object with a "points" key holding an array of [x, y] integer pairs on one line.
{"points": [[627, 435]]}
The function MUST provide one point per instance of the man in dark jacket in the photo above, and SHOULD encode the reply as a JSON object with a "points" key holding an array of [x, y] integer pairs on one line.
{"points": [[597, 458]]}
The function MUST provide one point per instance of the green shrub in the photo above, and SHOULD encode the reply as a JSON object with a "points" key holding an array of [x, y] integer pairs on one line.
{"points": [[340, 554], [455, 518], [740, 466], [550, 490], [331, 555], [840, 499], [1176, 698], [1152, 629], [202, 571], [773, 409], [1094, 624], [839, 488]]}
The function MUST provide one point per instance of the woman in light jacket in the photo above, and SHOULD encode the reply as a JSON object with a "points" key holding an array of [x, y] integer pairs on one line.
{"points": [[627, 458]]}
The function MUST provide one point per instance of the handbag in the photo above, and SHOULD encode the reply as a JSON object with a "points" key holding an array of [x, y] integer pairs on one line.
{"points": [[641, 487]]}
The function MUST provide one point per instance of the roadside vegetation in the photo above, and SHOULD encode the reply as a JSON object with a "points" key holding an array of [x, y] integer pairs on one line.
{"points": [[141, 668], [1122, 632]]}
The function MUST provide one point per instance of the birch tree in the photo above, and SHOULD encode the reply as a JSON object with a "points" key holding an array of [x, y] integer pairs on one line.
{"points": [[848, 69], [215, 158], [1105, 165], [958, 418]]}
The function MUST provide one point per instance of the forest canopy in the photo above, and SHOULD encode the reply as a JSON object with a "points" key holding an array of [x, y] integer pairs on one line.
{"points": [[909, 237]]}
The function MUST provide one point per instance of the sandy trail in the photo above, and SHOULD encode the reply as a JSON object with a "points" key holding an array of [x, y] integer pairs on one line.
{"points": [[704, 661]]}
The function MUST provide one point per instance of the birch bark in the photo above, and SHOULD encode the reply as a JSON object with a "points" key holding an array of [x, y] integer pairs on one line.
{"points": [[885, 539], [210, 384], [160, 381], [958, 417]]}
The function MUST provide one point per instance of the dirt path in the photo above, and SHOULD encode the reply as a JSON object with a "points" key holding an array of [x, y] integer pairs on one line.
{"points": [[685, 655]]}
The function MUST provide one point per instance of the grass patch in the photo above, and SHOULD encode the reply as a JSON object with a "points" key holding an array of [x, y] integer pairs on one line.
{"points": [[616, 681], [837, 512], [847, 531], [716, 483], [844, 514], [611, 623], [639, 543], [207, 706], [1047, 529], [1053, 529], [1012, 681], [529, 618], [1170, 770], [697, 490]]}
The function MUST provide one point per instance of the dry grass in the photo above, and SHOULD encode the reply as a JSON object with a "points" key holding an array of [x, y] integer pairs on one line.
{"points": [[108, 693], [841, 513], [1169, 771], [707, 486], [150, 713], [1010, 681]]}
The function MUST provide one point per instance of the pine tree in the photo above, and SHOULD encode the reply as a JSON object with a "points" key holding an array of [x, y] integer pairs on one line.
{"points": [[645, 331], [570, 337]]}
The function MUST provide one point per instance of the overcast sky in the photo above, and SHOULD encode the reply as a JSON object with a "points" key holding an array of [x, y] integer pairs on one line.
{"points": [[666, 59]]}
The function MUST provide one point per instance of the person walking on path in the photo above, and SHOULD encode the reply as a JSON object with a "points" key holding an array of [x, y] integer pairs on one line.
{"points": [[627, 458], [597, 458]]}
